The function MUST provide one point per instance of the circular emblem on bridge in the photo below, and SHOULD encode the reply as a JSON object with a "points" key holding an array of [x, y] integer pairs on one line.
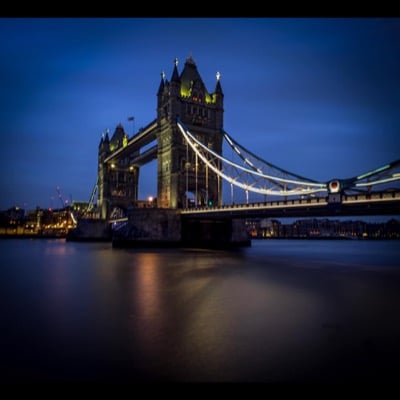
{"points": [[334, 186]]}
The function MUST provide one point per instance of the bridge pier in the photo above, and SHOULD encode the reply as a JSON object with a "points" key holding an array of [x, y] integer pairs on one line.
{"points": [[214, 233], [149, 227], [90, 230], [155, 227]]}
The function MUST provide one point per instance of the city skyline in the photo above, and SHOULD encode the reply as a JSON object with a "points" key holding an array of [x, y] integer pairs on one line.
{"points": [[316, 96]]}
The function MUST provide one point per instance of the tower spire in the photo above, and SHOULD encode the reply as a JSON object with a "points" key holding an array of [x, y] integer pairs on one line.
{"points": [[162, 83], [218, 88], [175, 74]]}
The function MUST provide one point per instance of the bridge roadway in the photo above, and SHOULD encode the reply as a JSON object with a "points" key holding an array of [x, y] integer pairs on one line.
{"points": [[383, 203]]}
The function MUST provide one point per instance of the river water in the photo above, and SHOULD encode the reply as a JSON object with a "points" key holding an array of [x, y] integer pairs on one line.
{"points": [[282, 311]]}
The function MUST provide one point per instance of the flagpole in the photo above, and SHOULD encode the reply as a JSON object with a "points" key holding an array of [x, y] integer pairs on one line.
{"points": [[133, 123]]}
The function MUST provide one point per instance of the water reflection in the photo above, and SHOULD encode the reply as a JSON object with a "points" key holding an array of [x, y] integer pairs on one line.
{"points": [[204, 317], [87, 312], [57, 247], [147, 285]]}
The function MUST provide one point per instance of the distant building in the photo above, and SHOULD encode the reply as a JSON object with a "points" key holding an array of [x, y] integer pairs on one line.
{"points": [[323, 228]]}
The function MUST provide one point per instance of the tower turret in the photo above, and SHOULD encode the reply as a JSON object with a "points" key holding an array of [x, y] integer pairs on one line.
{"points": [[186, 96]]}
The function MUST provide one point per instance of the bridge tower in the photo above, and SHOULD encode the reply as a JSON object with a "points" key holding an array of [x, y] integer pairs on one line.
{"points": [[117, 177], [180, 174]]}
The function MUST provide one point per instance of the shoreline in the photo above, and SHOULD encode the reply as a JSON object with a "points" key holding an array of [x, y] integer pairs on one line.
{"points": [[166, 243]]}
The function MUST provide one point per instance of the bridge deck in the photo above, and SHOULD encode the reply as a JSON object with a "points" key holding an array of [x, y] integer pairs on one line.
{"points": [[373, 204]]}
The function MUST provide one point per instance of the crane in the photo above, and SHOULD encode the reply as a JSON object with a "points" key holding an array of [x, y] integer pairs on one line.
{"points": [[64, 205], [60, 196]]}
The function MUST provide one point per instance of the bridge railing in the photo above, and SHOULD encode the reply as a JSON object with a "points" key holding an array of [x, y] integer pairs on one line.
{"points": [[311, 201], [261, 204], [393, 195]]}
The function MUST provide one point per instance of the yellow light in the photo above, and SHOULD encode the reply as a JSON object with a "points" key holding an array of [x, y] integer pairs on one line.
{"points": [[185, 91], [209, 99]]}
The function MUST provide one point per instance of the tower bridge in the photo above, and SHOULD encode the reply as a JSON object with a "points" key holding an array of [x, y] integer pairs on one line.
{"points": [[187, 139], [120, 158]]}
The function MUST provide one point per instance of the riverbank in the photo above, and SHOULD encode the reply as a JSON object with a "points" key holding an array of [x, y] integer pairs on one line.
{"points": [[32, 236]]}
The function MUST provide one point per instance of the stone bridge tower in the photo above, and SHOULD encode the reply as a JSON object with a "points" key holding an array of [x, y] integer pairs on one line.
{"points": [[180, 177], [117, 179]]}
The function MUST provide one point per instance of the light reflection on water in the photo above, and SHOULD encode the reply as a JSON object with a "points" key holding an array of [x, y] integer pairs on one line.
{"points": [[280, 311]]}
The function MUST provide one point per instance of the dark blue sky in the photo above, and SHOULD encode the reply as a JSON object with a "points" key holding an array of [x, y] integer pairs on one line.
{"points": [[318, 97]]}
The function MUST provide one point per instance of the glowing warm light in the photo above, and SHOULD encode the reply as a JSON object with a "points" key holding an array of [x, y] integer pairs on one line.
{"points": [[185, 91], [334, 186], [210, 99], [150, 199]]}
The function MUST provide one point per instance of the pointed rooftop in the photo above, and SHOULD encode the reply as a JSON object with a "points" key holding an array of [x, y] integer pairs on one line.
{"points": [[175, 74], [117, 138], [190, 74], [162, 83], [218, 87]]}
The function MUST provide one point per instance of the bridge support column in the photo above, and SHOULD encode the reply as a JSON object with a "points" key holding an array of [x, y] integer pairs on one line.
{"points": [[149, 227], [214, 233], [155, 227]]}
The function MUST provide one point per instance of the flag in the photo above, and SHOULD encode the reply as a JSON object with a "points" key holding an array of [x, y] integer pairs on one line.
{"points": [[131, 118]]}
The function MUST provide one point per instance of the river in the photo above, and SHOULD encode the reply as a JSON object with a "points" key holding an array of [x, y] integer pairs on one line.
{"points": [[280, 311]]}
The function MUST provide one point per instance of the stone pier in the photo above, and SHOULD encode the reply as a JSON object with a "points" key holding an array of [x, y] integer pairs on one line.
{"points": [[149, 227], [155, 227], [158, 227], [90, 230]]}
